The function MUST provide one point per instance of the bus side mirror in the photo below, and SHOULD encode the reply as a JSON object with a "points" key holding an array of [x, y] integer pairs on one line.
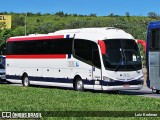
{"points": [[102, 46], [143, 43]]}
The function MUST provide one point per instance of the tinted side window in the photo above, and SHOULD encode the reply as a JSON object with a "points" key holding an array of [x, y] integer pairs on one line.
{"points": [[155, 40], [83, 49], [56, 46], [87, 51], [59, 46], [9, 49], [96, 58]]}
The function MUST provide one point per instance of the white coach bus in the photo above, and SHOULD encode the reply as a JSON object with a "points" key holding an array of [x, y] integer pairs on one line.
{"points": [[86, 58]]}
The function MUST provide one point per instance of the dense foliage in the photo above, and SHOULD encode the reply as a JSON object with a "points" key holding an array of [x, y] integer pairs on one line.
{"points": [[46, 23]]}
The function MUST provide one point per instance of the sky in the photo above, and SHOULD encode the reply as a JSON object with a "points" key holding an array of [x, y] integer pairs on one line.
{"points": [[84, 7]]}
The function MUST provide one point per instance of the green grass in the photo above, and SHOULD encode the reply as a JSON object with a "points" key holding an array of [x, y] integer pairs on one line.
{"points": [[16, 98]]}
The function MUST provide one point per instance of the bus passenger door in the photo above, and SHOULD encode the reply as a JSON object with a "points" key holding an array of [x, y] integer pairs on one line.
{"points": [[96, 69]]}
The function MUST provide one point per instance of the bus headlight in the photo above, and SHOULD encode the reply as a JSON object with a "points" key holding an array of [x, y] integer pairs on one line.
{"points": [[141, 78], [106, 78]]}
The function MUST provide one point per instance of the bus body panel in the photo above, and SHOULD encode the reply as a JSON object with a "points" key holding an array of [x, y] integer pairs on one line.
{"points": [[123, 80], [154, 68], [52, 69], [153, 58], [61, 70]]}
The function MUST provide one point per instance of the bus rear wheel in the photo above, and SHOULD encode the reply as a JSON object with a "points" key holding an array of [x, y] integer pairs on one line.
{"points": [[79, 86], [25, 81]]}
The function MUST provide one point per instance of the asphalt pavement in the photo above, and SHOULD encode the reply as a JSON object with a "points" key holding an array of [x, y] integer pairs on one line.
{"points": [[145, 91]]}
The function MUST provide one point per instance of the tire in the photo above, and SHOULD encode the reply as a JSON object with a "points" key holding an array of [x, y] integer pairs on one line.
{"points": [[79, 86], [112, 92], [8, 82], [155, 91], [25, 81]]}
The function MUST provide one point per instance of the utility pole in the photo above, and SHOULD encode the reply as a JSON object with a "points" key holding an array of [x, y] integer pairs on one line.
{"points": [[25, 22]]}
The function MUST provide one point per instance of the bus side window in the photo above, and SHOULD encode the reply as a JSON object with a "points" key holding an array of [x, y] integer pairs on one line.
{"points": [[87, 51], [55, 46], [83, 50], [155, 39], [9, 48], [95, 56]]}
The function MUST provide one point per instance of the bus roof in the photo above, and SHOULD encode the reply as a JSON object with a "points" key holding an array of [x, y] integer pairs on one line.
{"points": [[93, 34], [97, 33], [154, 25]]}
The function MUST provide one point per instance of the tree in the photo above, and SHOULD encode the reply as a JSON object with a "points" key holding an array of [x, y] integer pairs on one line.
{"points": [[127, 14], [29, 14], [4, 35], [60, 13], [38, 14], [18, 20], [2, 25], [92, 15], [153, 15], [111, 15]]}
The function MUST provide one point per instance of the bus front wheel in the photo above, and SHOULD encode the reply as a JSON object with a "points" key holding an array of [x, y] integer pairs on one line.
{"points": [[79, 86], [25, 80]]}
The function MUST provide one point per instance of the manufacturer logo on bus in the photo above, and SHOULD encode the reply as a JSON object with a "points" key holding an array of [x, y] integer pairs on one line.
{"points": [[125, 75]]}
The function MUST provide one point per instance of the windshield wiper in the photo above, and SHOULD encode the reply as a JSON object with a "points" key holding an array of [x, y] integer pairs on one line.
{"points": [[131, 64], [121, 60], [117, 67]]}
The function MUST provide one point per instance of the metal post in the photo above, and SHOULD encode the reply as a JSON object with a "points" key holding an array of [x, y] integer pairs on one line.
{"points": [[25, 25]]}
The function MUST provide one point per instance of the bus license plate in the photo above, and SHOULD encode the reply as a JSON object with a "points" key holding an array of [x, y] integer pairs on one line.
{"points": [[126, 85]]}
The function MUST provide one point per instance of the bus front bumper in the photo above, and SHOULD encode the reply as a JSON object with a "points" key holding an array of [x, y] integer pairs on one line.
{"points": [[2, 77], [124, 87]]}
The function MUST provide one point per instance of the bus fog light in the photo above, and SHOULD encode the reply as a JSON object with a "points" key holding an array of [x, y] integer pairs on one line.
{"points": [[97, 82]]}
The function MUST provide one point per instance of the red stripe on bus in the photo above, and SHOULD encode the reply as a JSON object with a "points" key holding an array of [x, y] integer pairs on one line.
{"points": [[35, 38], [50, 56]]}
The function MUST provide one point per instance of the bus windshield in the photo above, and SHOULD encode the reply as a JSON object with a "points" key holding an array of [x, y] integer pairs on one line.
{"points": [[122, 55]]}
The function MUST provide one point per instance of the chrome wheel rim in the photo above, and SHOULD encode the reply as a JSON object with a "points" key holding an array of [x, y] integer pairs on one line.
{"points": [[79, 85], [26, 81]]}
